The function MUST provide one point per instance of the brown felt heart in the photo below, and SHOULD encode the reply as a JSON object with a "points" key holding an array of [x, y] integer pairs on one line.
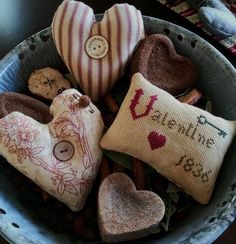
{"points": [[125, 213], [96, 53], [156, 59], [12, 101]]}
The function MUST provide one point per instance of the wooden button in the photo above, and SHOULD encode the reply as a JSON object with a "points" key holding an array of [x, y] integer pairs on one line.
{"points": [[97, 47]]}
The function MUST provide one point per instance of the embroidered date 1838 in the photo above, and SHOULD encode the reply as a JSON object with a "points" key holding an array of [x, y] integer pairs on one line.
{"points": [[196, 169]]}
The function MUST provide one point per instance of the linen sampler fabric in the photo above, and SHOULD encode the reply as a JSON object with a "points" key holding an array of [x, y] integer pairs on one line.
{"points": [[63, 156], [182, 142]]}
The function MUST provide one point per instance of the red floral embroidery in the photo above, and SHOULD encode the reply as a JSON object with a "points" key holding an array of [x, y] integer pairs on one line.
{"points": [[18, 135], [70, 124]]}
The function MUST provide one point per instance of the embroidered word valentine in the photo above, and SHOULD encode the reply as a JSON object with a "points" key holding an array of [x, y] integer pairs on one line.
{"points": [[188, 129]]}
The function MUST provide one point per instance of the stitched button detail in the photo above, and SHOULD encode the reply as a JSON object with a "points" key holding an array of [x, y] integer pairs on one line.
{"points": [[96, 47], [63, 151]]}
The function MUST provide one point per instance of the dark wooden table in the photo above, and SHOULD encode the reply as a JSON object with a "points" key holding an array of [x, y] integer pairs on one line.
{"points": [[20, 19]]}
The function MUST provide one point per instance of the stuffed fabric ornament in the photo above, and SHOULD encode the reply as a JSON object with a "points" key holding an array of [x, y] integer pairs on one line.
{"points": [[182, 142], [63, 156], [96, 53], [216, 17]]}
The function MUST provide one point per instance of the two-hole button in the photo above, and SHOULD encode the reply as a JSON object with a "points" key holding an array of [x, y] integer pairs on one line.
{"points": [[63, 151], [96, 47]]}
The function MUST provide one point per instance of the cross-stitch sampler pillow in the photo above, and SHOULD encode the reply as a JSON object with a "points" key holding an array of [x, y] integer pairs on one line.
{"points": [[183, 143]]}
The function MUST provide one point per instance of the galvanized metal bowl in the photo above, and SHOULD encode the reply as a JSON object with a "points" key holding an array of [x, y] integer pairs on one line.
{"points": [[217, 80]]}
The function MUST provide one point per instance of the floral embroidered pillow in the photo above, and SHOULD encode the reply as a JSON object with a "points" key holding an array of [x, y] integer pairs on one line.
{"points": [[182, 142], [62, 157]]}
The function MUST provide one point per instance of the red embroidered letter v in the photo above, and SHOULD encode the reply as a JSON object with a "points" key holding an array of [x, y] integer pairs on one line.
{"points": [[135, 102]]}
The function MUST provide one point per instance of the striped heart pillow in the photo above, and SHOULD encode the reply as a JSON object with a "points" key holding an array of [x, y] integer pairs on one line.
{"points": [[96, 53]]}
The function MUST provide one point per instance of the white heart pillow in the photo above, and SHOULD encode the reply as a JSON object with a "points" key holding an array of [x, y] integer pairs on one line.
{"points": [[62, 157]]}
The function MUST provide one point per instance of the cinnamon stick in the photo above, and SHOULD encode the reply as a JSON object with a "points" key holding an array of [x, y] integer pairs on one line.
{"points": [[192, 97], [111, 103]]}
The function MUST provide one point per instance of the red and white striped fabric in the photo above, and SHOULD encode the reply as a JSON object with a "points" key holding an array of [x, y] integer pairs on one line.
{"points": [[74, 23]]}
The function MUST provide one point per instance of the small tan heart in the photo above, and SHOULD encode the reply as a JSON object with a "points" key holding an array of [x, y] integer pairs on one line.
{"points": [[125, 213]]}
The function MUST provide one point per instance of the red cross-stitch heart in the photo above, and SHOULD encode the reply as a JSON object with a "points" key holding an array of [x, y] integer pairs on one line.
{"points": [[156, 140]]}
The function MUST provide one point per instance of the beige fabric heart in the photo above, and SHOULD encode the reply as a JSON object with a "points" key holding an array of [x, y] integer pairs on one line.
{"points": [[96, 53], [125, 213], [62, 157], [182, 142]]}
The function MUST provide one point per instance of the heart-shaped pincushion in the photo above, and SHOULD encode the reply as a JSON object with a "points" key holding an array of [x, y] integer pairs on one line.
{"points": [[156, 59], [96, 53], [63, 156], [125, 213]]}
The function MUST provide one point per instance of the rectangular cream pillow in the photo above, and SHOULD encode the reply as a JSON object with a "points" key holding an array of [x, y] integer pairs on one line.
{"points": [[182, 142]]}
